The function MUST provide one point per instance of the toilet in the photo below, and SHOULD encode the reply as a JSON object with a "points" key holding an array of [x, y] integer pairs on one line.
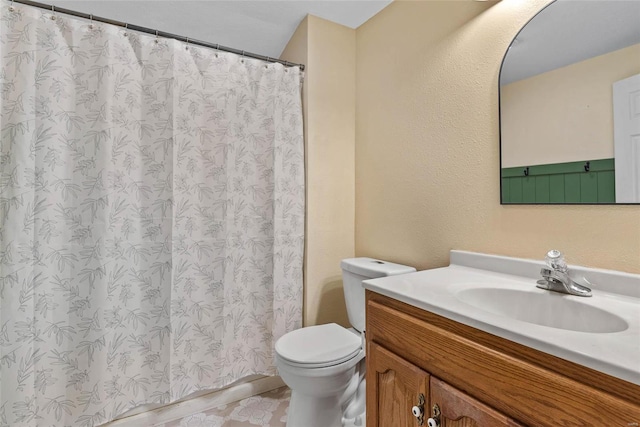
{"points": [[324, 365]]}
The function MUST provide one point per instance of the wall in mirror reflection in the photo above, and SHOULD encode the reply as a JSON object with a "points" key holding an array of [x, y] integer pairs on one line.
{"points": [[564, 115]]}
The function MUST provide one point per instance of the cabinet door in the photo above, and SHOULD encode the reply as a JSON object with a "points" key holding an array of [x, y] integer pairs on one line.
{"points": [[394, 387], [461, 410]]}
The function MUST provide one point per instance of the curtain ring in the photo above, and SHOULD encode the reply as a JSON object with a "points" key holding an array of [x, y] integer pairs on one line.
{"points": [[217, 49], [157, 40], [267, 64], [53, 13], [187, 46], [91, 22], [242, 60], [11, 8], [126, 28]]}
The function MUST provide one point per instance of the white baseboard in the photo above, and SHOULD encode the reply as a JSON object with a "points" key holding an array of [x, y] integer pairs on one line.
{"points": [[198, 404]]}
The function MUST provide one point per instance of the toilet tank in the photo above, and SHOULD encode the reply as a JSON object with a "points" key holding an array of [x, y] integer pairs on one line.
{"points": [[354, 271]]}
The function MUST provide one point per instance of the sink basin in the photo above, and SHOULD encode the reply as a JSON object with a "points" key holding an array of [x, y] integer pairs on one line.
{"points": [[543, 308]]}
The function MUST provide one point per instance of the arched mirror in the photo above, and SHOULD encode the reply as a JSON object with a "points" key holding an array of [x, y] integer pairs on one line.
{"points": [[570, 106]]}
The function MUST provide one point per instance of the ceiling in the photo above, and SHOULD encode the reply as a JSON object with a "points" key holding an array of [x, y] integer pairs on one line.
{"points": [[258, 26], [569, 31]]}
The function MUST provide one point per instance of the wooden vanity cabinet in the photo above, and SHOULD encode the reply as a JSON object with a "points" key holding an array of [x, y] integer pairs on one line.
{"points": [[478, 379], [458, 409], [396, 386]]}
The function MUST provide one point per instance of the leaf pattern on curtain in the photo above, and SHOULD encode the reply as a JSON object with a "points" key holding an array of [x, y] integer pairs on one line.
{"points": [[151, 214]]}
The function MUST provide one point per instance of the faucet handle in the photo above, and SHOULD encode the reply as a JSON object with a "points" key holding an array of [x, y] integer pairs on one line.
{"points": [[555, 261]]}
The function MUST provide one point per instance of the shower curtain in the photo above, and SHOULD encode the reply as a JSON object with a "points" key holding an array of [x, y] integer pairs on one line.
{"points": [[151, 218]]}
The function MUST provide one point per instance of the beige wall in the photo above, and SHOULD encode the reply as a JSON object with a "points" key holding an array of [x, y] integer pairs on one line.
{"points": [[427, 151], [564, 115], [329, 52]]}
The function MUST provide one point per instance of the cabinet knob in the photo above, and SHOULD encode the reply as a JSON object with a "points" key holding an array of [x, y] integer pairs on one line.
{"points": [[435, 420], [417, 411]]}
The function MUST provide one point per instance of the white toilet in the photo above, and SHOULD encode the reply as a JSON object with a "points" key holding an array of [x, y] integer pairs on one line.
{"points": [[324, 365]]}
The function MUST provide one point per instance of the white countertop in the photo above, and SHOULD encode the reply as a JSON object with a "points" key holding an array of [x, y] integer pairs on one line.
{"points": [[616, 354]]}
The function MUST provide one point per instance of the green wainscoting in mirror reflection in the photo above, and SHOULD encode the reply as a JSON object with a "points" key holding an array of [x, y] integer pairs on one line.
{"points": [[560, 183]]}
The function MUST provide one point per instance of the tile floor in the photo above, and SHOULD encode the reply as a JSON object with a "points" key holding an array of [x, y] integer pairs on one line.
{"points": [[265, 410]]}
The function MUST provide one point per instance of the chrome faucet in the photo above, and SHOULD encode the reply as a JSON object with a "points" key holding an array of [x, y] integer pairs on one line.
{"points": [[555, 277]]}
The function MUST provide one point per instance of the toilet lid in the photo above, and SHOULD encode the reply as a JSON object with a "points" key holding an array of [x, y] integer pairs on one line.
{"points": [[319, 345]]}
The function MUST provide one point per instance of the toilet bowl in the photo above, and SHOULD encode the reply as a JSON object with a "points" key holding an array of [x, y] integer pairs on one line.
{"points": [[319, 376], [324, 365]]}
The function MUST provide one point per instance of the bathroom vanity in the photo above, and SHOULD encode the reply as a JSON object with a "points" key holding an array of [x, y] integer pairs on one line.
{"points": [[431, 349]]}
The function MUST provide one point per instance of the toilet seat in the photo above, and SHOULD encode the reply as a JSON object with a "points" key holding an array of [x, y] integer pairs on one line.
{"points": [[320, 365], [318, 346]]}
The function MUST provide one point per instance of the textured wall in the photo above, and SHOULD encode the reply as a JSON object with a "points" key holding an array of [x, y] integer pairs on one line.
{"points": [[329, 52], [564, 115], [427, 150]]}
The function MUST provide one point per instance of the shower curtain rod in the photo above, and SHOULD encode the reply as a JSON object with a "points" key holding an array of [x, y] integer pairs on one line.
{"points": [[157, 33]]}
